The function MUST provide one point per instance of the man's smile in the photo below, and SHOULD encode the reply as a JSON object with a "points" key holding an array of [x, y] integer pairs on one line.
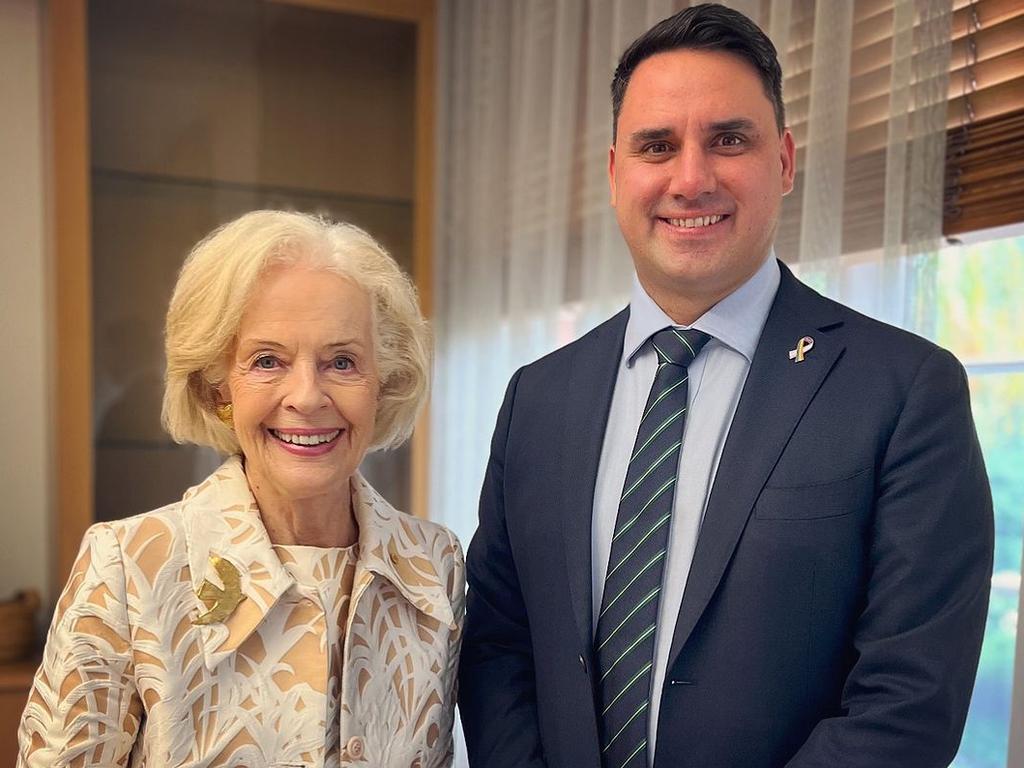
{"points": [[694, 222]]}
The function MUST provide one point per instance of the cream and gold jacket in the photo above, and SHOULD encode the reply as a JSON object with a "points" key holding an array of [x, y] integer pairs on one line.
{"points": [[129, 679]]}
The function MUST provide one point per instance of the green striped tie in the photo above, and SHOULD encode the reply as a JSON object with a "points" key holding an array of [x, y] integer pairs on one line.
{"points": [[624, 645]]}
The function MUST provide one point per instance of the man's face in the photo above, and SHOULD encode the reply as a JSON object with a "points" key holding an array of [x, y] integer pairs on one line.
{"points": [[697, 175]]}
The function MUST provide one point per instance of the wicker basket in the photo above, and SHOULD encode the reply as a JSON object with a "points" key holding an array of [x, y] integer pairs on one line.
{"points": [[18, 625]]}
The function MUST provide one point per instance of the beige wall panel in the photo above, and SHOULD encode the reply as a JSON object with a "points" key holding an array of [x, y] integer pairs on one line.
{"points": [[388, 472], [141, 235], [25, 387], [235, 90], [137, 477]]}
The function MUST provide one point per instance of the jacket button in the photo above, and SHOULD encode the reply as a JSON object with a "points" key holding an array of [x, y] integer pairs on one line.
{"points": [[354, 747]]}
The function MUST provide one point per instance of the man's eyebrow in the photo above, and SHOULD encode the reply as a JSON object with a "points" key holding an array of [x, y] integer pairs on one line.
{"points": [[733, 124], [649, 134], [644, 135]]}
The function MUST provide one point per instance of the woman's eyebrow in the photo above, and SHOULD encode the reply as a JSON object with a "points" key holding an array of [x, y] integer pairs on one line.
{"points": [[353, 342]]}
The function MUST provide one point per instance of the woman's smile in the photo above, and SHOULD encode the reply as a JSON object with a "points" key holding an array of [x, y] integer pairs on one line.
{"points": [[306, 442]]}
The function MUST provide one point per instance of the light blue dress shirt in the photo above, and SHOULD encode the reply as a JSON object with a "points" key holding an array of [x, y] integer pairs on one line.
{"points": [[716, 378]]}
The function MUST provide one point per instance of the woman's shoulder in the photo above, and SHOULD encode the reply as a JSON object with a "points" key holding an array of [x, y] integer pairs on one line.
{"points": [[167, 527], [372, 508], [130, 536], [410, 545], [433, 531]]}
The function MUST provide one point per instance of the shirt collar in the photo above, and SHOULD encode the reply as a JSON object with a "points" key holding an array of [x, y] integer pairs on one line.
{"points": [[735, 321], [221, 520]]}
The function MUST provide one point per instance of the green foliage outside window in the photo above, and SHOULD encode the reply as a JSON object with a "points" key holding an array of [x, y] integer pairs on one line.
{"points": [[979, 315]]}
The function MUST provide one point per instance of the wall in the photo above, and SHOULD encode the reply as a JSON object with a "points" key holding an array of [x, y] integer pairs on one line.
{"points": [[25, 385]]}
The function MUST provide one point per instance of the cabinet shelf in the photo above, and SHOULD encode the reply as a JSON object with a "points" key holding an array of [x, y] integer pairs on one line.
{"points": [[116, 174]]}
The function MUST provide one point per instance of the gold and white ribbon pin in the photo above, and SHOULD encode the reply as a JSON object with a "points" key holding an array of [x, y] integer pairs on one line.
{"points": [[805, 345]]}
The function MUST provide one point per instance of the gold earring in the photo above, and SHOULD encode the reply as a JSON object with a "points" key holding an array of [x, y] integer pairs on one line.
{"points": [[226, 413]]}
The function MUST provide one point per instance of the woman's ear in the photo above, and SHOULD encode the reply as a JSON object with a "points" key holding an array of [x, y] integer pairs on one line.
{"points": [[217, 380]]}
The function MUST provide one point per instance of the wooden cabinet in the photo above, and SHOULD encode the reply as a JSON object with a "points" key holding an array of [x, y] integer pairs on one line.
{"points": [[174, 116], [15, 681]]}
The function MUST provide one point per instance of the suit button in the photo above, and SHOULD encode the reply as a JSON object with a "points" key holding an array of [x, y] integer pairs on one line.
{"points": [[583, 663], [354, 747]]}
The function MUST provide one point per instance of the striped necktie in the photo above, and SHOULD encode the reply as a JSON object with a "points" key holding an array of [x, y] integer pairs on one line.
{"points": [[624, 644]]}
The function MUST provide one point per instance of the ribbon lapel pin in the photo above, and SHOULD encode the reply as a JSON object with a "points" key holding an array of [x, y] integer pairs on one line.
{"points": [[805, 345]]}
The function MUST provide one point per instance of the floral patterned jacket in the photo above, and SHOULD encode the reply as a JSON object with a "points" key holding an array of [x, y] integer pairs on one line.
{"points": [[129, 679]]}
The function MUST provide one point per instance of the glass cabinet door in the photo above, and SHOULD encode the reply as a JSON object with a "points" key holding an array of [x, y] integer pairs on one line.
{"points": [[199, 112]]}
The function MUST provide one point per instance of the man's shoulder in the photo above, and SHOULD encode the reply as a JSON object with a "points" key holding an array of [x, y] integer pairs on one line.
{"points": [[879, 338]]}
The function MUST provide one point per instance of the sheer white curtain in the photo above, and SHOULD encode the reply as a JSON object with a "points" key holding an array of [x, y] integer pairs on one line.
{"points": [[866, 89], [528, 253]]}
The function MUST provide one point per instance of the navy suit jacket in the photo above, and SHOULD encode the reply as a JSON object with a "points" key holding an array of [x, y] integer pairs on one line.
{"points": [[835, 606]]}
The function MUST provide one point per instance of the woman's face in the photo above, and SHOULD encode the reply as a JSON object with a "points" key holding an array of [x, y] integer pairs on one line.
{"points": [[303, 383]]}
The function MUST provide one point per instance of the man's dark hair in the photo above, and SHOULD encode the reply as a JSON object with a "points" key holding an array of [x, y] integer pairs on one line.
{"points": [[709, 27]]}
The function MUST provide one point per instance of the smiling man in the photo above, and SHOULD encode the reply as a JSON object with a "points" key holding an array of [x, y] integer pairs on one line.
{"points": [[738, 524], [698, 171]]}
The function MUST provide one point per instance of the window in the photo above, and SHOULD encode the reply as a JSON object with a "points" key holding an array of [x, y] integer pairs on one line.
{"points": [[979, 317], [967, 298]]}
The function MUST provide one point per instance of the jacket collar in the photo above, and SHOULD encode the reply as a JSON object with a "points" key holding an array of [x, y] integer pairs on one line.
{"points": [[221, 519], [392, 544]]}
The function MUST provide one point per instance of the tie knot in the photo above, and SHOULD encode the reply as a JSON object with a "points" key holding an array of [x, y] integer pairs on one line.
{"points": [[679, 346]]}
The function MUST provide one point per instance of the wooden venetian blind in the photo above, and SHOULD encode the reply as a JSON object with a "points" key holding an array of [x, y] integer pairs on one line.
{"points": [[985, 147], [985, 125], [868, 115], [870, 74]]}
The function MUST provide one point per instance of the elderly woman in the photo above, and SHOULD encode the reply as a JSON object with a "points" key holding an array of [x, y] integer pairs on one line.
{"points": [[282, 613]]}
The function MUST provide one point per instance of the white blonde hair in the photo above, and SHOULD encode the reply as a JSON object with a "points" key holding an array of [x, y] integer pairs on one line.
{"points": [[216, 283]]}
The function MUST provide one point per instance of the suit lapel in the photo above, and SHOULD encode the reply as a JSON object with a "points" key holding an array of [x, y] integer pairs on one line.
{"points": [[593, 369], [776, 394]]}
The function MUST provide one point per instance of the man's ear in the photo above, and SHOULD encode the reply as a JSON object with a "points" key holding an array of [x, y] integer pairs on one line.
{"points": [[788, 156], [611, 173]]}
